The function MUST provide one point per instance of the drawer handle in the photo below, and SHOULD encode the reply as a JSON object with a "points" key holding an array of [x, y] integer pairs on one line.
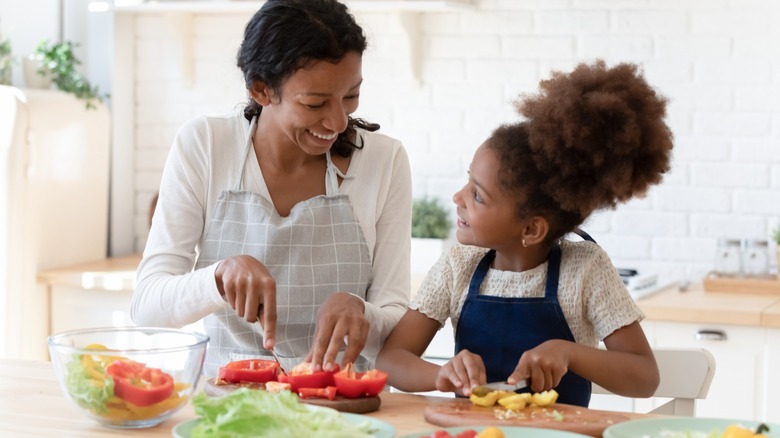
{"points": [[711, 335]]}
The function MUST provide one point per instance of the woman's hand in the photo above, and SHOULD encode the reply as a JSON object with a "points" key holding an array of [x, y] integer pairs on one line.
{"points": [[341, 316], [543, 366], [251, 291], [461, 373]]}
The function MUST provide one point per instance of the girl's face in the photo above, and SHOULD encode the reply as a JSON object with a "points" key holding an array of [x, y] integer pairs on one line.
{"points": [[312, 105], [486, 212]]}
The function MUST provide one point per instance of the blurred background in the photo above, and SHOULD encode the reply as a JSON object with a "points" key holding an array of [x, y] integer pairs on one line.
{"points": [[440, 75]]}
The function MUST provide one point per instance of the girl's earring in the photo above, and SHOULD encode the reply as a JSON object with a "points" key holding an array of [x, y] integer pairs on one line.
{"points": [[524, 245]]}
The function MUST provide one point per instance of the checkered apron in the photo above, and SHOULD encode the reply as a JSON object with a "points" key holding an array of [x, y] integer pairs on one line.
{"points": [[317, 250]]}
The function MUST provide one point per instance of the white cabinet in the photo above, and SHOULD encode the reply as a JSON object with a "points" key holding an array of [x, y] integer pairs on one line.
{"points": [[771, 388], [740, 352]]}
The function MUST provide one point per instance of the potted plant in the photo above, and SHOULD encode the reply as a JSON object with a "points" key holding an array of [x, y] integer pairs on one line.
{"points": [[58, 62], [431, 224], [776, 239], [6, 61]]}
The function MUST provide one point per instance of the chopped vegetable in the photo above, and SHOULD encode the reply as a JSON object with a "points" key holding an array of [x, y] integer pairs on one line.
{"points": [[329, 392], [513, 401], [491, 432], [89, 384], [302, 376], [274, 386], [135, 383], [250, 370], [353, 384], [245, 413]]}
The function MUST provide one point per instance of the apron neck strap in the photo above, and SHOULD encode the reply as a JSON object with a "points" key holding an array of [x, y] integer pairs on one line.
{"points": [[248, 148]]}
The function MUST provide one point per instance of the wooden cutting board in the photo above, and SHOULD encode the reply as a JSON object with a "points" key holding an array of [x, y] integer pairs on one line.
{"points": [[461, 412], [361, 405]]}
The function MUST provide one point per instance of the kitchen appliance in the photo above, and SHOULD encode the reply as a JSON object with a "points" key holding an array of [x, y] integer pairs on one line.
{"points": [[54, 185]]}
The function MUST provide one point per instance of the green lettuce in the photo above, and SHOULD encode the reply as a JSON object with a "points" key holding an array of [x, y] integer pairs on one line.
{"points": [[252, 413], [85, 390]]}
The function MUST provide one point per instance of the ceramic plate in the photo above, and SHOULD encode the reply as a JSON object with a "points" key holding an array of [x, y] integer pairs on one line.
{"points": [[509, 432], [676, 426], [382, 429]]}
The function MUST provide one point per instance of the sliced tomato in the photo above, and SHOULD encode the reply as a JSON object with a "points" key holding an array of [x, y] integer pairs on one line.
{"points": [[469, 433], [329, 392], [441, 434], [302, 376], [352, 385], [250, 370], [135, 383]]}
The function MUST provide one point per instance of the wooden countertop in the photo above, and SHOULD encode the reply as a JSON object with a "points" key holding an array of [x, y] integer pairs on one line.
{"points": [[32, 404], [692, 305], [115, 273], [697, 305]]}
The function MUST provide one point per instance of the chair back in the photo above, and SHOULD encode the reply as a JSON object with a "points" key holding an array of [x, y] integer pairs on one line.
{"points": [[686, 375]]}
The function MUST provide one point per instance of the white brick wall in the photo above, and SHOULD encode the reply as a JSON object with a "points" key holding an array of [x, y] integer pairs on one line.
{"points": [[717, 61]]}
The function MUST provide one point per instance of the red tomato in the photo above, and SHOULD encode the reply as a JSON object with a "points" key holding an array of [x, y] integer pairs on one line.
{"points": [[139, 385], [352, 385], [328, 392], [441, 434], [250, 370], [471, 433]]}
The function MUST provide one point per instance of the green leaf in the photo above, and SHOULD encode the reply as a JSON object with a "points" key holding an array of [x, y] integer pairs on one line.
{"points": [[84, 390], [60, 62], [256, 414], [430, 219]]}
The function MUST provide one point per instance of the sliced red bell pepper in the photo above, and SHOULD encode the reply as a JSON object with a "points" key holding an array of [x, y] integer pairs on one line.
{"points": [[135, 383], [352, 385], [302, 376], [250, 370], [329, 392]]}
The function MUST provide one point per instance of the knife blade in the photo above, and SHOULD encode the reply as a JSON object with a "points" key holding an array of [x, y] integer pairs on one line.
{"points": [[273, 353], [482, 390]]}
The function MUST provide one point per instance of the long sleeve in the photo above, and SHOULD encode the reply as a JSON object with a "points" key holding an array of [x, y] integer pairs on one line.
{"points": [[168, 292]]}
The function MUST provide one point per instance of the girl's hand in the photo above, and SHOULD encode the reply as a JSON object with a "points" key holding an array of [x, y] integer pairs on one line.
{"points": [[251, 291], [461, 373], [341, 316], [544, 365]]}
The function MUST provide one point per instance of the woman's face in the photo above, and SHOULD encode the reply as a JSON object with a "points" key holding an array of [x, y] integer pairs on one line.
{"points": [[312, 106], [486, 212]]}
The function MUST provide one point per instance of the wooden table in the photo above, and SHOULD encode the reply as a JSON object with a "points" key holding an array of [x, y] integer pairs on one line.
{"points": [[32, 404]]}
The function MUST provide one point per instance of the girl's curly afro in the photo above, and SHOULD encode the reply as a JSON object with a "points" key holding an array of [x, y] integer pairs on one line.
{"points": [[592, 138]]}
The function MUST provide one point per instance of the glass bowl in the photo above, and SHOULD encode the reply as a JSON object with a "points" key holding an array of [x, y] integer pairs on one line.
{"points": [[128, 377]]}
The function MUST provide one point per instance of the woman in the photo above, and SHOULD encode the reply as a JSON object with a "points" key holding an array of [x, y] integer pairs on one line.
{"points": [[293, 214]]}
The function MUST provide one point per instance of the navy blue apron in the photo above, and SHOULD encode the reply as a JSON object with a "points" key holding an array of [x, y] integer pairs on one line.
{"points": [[501, 329]]}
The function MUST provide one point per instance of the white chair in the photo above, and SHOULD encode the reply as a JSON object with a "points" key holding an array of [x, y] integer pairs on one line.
{"points": [[686, 374]]}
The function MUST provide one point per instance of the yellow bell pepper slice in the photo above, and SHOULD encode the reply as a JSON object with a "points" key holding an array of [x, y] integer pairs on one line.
{"points": [[544, 398], [515, 402]]}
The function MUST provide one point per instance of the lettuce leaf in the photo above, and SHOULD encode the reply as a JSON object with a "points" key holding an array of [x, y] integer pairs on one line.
{"points": [[84, 389], [256, 414]]}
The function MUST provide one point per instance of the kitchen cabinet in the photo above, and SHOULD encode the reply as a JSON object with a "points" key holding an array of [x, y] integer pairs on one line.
{"points": [[771, 386], [740, 356], [95, 294]]}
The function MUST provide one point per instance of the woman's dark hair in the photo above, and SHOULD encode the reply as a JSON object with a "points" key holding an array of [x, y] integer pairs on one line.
{"points": [[592, 138], [285, 35]]}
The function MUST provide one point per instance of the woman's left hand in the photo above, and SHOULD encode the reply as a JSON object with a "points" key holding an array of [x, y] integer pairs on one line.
{"points": [[341, 316]]}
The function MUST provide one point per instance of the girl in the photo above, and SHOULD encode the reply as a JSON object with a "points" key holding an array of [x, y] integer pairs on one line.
{"points": [[524, 302]]}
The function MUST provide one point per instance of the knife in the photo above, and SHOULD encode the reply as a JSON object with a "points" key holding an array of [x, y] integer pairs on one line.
{"points": [[482, 390]]}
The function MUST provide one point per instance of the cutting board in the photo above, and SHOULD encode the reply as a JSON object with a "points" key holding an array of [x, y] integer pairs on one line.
{"points": [[461, 412], [361, 405]]}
